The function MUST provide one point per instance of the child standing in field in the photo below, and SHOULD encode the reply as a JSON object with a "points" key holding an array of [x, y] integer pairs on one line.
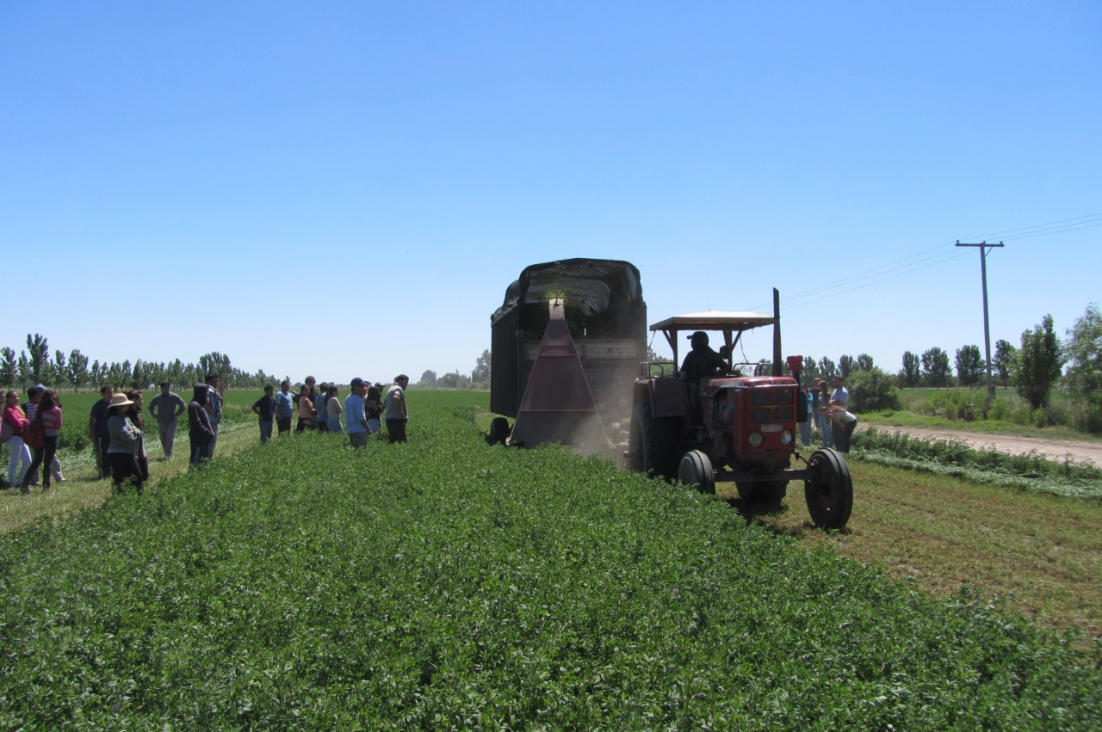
{"points": [[264, 408]]}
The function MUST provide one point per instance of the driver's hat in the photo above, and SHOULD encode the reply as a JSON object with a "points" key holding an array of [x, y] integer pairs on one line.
{"points": [[699, 338]]}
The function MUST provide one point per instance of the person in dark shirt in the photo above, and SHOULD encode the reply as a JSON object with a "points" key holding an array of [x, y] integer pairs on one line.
{"points": [[97, 431], [200, 431], [373, 407], [264, 407], [702, 361]]}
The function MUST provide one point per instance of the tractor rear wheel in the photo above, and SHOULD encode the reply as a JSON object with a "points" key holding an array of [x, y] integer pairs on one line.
{"points": [[829, 490], [762, 491], [652, 443], [696, 469]]}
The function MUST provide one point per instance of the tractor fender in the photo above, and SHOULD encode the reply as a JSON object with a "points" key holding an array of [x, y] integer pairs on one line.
{"points": [[668, 397]]}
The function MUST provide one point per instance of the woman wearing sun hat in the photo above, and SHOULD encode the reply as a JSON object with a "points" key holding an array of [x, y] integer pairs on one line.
{"points": [[126, 444]]}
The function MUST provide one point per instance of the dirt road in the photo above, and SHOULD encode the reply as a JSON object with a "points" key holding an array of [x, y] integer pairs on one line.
{"points": [[1081, 452]]}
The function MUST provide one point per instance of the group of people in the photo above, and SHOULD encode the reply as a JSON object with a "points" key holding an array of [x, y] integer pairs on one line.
{"points": [[830, 410], [320, 407], [33, 426], [117, 430]]}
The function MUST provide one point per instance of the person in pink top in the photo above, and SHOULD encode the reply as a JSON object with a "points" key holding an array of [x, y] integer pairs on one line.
{"points": [[44, 429], [14, 423]]}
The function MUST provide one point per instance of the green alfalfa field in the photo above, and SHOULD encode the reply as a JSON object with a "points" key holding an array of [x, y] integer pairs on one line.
{"points": [[447, 583]]}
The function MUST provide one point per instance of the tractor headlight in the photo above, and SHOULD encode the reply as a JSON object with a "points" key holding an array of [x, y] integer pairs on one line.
{"points": [[754, 439], [786, 438]]}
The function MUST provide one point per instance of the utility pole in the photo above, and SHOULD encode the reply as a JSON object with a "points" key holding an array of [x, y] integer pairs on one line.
{"points": [[983, 247]]}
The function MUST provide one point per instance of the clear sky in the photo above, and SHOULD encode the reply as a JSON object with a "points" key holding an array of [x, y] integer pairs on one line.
{"points": [[347, 189]]}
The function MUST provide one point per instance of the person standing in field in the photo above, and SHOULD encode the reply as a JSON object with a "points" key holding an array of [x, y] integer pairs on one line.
{"points": [[30, 408], [214, 409], [805, 426], [42, 437], [166, 408], [135, 415], [373, 406], [285, 407], [823, 415], [333, 410], [357, 430], [125, 444], [396, 413], [307, 413], [264, 408], [200, 433], [843, 422], [97, 430], [14, 427], [322, 418]]}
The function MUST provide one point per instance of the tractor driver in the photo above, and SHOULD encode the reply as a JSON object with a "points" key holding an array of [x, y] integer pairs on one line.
{"points": [[702, 361]]}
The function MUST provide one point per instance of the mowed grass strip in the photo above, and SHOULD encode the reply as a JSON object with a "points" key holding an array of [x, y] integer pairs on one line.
{"points": [[1034, 552], [449, 584]]}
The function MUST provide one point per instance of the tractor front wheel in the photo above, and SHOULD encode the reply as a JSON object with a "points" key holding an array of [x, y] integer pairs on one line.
{"points": [[829, 490], [696, 469]]}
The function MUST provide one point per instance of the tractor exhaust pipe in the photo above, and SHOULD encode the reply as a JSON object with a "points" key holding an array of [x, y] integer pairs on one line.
{"points": [[777, 368]]}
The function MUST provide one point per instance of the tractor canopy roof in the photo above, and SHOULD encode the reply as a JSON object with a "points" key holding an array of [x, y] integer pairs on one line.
{"points": [[725, 320]]}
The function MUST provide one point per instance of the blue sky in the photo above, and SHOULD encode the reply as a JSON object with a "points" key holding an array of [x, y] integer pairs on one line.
{"points": [[347, 189]]}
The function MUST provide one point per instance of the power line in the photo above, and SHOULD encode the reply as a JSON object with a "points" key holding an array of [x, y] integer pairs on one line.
{"points": [[1074, 223], [1034, 226], [870, 284], [1054, 231]]}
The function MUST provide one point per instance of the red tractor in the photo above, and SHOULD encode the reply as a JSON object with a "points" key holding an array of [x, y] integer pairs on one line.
{"points": [[711, 423]]}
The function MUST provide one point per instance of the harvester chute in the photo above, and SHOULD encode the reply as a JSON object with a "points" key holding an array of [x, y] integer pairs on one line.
{"points": [[558, 405]]}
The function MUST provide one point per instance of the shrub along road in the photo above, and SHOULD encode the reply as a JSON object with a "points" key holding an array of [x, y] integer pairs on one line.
{"points": [[1057, 450]]}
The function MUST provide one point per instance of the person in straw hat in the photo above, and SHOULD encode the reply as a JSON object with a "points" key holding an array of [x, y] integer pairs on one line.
{"points": [[125, 446]]}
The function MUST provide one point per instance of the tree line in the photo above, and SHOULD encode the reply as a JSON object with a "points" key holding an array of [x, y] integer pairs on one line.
{"points": [[478, 379], [1033, 368], [35, 365]]}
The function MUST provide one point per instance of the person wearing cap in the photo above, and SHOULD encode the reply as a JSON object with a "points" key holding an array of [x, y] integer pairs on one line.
{"points": [[200, 433], [702, 362], [357, 428], [166, 408], [397, 414], [284, 407], [123, 450]]}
